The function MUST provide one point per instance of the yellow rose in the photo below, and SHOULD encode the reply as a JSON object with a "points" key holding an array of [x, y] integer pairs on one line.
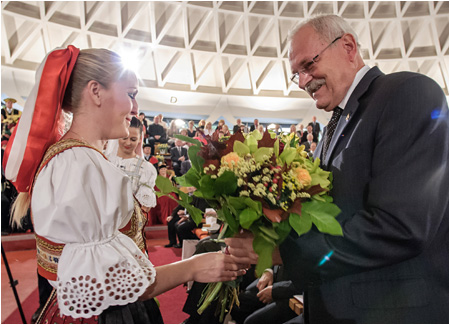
{"points": [[303, 176], [231, 160]]}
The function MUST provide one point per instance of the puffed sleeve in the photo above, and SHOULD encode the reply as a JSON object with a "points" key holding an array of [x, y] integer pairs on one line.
{"points": [[145, 194], [81, 200]]}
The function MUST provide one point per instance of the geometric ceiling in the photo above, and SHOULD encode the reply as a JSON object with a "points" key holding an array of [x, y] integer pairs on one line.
{"points": [[219, 58]]}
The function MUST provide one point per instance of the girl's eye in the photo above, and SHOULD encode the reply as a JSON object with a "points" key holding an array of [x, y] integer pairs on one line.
{"points": [[133, 139], [132, 95]]}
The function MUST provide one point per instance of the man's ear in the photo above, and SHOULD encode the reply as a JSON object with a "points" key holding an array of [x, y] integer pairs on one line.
{"points": [[350, 45], [94, 89]]}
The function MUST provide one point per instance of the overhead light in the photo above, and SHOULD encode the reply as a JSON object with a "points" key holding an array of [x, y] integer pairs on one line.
{"points": [[179, 123], [130, 60], [173, 100]]}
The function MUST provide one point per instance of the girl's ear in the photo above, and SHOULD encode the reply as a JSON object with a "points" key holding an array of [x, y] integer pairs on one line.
{"points": [[94, 89]]}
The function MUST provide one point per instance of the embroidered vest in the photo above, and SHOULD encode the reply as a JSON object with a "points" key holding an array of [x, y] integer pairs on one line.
{"points": [[48, 252]]}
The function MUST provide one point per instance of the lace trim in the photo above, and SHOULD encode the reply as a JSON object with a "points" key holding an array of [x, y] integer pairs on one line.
{"points": [[84, 296]]}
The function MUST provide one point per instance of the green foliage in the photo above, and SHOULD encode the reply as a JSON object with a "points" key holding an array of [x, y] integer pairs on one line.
{"points": [[196, 160], [240, 148], [264, 247], [288, 155], [247, 216], [322, 215], [261, 152], [226, 184], [301, 224]]}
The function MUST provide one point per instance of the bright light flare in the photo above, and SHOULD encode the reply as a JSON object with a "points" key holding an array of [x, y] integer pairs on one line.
{"points": [[130, 60], [179, 123]]}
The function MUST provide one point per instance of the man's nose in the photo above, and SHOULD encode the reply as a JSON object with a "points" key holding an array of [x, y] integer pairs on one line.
{"points": [[303, 80]]}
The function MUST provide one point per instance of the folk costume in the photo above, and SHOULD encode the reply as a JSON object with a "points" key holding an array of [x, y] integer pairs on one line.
{"points": [[142, 175], [88, 226]]}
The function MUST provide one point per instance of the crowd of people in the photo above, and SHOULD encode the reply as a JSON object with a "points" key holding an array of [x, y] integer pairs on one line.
{"points": [[91, 197]]}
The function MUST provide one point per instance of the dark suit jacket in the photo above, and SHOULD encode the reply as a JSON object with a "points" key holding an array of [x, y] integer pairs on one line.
{"points": [[391, 183], [174, 154], [305, 139], [156, 129], [316, 128]]}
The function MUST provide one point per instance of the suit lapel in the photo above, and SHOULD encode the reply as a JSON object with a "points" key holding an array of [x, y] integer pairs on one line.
{"points": [[350, 109]]}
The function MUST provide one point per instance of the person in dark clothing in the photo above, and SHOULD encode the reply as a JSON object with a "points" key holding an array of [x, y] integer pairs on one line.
{"points": [[156, 133], [266, 300]]}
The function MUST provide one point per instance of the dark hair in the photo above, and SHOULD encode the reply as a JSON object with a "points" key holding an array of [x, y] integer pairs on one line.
{"points": [[136, 123]]}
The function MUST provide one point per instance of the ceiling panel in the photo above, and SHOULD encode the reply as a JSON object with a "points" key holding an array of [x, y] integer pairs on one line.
{"points": [[205, 51]]}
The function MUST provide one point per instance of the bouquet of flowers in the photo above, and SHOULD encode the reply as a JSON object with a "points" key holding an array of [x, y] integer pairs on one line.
{"points": [[256, 183], [162, 148]]}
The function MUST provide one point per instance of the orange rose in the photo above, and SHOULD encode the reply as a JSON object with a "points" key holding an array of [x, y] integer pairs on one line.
{"points": [[303, 176], [228, 159]]}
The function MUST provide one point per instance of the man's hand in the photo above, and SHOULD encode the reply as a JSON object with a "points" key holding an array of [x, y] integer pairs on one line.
{"points": [[241, 246], [181, 158], [265, 295], [169, 218], [265, 280]]}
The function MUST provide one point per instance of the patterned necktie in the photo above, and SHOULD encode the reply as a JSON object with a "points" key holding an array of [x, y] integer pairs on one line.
{"points": [[331, 127]]}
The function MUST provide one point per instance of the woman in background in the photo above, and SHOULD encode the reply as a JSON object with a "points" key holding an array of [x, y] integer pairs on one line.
{"points": [[141, 173], [88, 227], [208, 129], [191, 131]]}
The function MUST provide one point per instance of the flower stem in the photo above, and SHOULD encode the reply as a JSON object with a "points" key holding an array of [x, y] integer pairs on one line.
{"points": [[210, 297]]}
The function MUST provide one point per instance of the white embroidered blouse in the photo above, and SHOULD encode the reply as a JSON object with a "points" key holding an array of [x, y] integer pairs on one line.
{"points": [[82, 200], [142, 174]]}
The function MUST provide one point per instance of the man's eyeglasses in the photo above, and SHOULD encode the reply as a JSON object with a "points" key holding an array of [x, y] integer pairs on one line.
{"points": [[309, 65]]}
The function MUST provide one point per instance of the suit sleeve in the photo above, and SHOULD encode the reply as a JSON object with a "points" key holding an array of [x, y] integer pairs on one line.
{"points": [[405, 199], [283, 290]]}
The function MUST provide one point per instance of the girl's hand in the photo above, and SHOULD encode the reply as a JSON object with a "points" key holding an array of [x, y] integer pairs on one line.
{"points": [[215, 267]]}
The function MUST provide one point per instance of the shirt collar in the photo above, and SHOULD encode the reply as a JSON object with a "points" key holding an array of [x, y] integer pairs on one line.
{"points": [[359, 75]]}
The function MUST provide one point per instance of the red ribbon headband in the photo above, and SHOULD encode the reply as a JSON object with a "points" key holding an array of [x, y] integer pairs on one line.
{"points": [[39, 126]]}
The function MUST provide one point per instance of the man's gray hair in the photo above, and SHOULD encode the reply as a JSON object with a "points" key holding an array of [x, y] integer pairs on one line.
{"points": [[328, 26]]}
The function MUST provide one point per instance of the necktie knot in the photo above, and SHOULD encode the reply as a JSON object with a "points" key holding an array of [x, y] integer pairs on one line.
{"points": [[331, 127]]}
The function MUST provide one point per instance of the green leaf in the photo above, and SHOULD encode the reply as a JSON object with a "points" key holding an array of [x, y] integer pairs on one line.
{"points": [[207, 186], [196, 161], [301, 224], [188, 139], [247, 217], [261, 152], [226, 183], [276, 148], [192, 178], [165, 185], [240, 148], [252, 142], [323, 216], [236, 202], [225, 215], [255, 205], [264, 249], [320, 177], [269, 232], [283, 229], [195, 213], [288, 155], [184, 197]]}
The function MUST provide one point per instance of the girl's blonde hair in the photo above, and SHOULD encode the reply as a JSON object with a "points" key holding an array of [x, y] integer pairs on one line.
{"points": [[101, 65]]}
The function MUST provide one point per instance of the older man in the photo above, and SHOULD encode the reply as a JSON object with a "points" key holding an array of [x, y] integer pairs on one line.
{"points": [[391, 265]]}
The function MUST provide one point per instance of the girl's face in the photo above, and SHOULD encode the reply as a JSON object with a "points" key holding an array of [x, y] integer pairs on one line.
{"points": [[127, 145], [163, 172], [120, 105]]}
